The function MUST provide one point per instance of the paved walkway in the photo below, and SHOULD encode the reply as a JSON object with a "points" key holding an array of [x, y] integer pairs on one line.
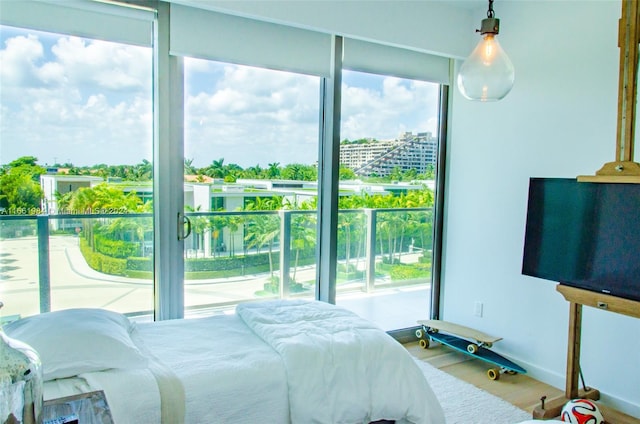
{"points": [[75, 284]]}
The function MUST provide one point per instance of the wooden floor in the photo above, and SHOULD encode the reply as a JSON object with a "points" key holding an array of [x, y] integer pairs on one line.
{"points": [[519, 390]]}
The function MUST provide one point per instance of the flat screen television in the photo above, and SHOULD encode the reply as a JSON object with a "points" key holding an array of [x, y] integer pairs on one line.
{"points": [[585, 235]]}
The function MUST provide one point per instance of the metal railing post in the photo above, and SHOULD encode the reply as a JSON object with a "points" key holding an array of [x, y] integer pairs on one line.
{"points": [[43, 263], [285, 252], [370, 250]]}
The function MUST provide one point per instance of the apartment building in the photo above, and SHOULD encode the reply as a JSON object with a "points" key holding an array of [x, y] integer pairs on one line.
{"points": [[381, 157]]}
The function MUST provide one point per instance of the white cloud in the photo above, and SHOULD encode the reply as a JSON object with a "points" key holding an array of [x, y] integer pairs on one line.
{"points": [[78, 100], [18, 60], [90, 102], [108, 65], [249, 116], [384, 112]]}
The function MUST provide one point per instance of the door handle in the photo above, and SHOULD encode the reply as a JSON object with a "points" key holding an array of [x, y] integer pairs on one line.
{"points": [[182, 221]]}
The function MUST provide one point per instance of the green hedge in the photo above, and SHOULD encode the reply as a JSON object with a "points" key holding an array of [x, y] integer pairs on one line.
{"points": [[408, 272], [102, 263], [144, 275], [140, 264], [229, 263], [115, 248]]}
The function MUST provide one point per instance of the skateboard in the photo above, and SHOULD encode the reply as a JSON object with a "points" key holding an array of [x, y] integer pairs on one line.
{"points": [[468, 341]]}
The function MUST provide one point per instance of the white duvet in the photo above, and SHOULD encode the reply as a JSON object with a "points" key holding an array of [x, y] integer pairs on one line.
{"points": [[273, 362], [340, 367]]}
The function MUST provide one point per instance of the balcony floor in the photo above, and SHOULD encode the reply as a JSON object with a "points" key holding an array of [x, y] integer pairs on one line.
{"points": [[390, 309], [75, 284]]}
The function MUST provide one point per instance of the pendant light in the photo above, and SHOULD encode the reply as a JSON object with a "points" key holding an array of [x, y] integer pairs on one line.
{"points": [[487, 74]]}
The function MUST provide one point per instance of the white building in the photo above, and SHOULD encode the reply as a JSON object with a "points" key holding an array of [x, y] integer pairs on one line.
{"points": [[54, 185], [379, 158]]}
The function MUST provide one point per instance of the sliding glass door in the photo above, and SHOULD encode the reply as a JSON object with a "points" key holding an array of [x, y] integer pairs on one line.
{"points": [[251, 149], [389, 150], [388, 155], [76, 193]]}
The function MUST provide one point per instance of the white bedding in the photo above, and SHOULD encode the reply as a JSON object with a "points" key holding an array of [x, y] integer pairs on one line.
{"points": [[340, 367], [336, 369], [228, 375]]}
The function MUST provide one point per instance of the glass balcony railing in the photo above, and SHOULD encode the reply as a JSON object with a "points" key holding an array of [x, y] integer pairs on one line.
{"points": [[51, 262]]}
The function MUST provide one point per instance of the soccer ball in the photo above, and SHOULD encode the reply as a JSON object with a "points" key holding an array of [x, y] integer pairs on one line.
{"points": [[581, 411]]}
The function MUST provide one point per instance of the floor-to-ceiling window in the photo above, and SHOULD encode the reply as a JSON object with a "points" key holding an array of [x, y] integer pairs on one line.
{"points": [[251, 142], [249, 110], [76, 198], [388, 161], [251, 153]]}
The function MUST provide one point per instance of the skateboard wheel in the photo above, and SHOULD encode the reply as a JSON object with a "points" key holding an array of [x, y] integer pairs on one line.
{"points": [[424, 343], [419, 333], [493, 374], [471, 348]]}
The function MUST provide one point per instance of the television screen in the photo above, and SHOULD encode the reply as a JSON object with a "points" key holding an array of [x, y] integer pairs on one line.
{"points": [[585, 235]]}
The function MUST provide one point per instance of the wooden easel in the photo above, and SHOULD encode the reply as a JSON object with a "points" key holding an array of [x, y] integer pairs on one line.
{"points": [[577, 298], [622, 170]]}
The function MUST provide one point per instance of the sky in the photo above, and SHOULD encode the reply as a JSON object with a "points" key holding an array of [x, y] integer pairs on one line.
{"points": [[69, 99]]}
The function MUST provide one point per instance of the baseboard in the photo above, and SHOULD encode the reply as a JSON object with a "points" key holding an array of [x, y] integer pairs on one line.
{"points": [[621, 405], [556, 380], [404, 335]]}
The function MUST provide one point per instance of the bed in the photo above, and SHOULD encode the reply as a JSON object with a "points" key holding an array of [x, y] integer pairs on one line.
{"points": [[272, 362]]}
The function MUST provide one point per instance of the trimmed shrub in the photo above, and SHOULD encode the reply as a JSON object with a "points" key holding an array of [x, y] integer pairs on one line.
{"points": [[115, 248], [139, 264], [102, 263], [229, 263], [408, 272], [113, 266]]}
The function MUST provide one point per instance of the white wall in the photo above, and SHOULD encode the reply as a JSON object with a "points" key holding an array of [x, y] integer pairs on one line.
{"points": [[559, 121]]}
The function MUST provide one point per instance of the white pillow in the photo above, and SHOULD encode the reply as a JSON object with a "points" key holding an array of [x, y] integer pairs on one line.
{"points": [[75, 341]]}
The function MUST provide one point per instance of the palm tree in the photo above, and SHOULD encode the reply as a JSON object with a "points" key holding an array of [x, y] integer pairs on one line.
{"points": [[218, 223], [216, 169], [189, 169], [297, 171], [253, 172], [263, 229], [137, 227], [303, 228], [303, 235], [142, 171], [102, 197], [233, 224], [263, 203], [200, 225], [351, 225], [274, 170]]}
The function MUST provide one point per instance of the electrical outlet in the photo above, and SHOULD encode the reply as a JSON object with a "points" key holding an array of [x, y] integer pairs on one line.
{"points": [[477, 310]]}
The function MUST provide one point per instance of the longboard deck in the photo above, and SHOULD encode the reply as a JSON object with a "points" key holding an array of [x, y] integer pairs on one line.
{"points": [[484, 354], [459, 330]]}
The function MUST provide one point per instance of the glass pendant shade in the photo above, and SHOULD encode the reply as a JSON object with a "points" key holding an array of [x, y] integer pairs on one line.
{"points": [[487, 74]]}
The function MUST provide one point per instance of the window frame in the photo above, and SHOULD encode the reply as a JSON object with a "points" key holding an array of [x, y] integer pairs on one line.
{"points": [[168, 154]]}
